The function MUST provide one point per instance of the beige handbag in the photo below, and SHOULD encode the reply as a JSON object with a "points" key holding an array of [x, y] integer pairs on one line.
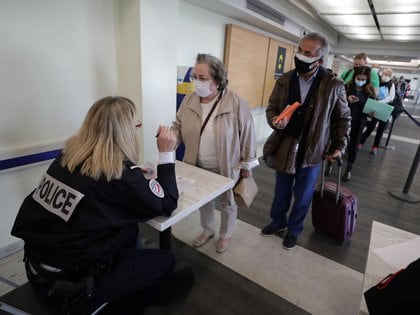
{"points": [[245, 191]]}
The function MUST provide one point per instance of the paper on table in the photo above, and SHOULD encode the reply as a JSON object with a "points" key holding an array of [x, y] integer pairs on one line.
{"points": [[400, 255], [382, 111], [183, 183]]}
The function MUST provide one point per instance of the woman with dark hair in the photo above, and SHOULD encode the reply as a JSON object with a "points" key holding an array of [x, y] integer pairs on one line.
{"points": [[217, 130], [80, 224], [358, 91]]}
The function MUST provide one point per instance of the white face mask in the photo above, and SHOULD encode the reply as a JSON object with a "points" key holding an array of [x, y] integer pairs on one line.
{"points": [[386, 78], [306, 59], [202, 88], [375, 70]]}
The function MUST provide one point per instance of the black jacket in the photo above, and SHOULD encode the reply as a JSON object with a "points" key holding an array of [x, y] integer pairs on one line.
{"points": [[103, 221]]}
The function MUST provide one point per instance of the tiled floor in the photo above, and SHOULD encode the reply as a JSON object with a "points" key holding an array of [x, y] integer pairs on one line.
{"points": [[297, 275]]}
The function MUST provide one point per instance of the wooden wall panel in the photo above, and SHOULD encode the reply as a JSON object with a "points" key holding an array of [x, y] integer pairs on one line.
{"points": [[245, 59], [271, 66]]}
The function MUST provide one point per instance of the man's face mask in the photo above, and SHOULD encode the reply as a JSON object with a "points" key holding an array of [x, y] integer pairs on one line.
{"points": [[305, 64]]}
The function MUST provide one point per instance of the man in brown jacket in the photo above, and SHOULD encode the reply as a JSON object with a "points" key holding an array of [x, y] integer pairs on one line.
{"points": [[318, 129]]}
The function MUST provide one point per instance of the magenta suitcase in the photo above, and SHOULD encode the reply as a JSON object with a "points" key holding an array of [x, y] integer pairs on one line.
{"points": [[334, 209]]}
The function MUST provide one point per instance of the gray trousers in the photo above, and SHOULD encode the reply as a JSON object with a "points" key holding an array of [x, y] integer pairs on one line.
{"points": [[228, 212]]}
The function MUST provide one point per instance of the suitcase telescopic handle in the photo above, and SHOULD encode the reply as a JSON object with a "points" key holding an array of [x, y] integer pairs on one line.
{"points": [[337, 191]]}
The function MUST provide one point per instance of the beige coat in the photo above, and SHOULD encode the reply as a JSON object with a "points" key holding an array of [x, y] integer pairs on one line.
{"points": [[234, 127]]}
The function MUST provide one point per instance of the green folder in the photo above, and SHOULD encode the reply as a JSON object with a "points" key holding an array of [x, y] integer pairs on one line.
{"points": [[382, 111]]}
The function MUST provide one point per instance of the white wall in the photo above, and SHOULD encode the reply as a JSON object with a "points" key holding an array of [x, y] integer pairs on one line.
{"points": [[158, 33], [57, 57]]}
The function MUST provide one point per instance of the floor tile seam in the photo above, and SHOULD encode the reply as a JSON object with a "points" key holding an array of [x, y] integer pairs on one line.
{"points": [[399, 138], [8, 282]]}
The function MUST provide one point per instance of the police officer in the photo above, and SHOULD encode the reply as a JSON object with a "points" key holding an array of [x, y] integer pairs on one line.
{"points": [[80, 223]]}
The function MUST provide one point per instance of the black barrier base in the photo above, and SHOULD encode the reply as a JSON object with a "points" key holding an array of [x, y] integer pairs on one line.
{"points": [[409, 197], [389, 147]]}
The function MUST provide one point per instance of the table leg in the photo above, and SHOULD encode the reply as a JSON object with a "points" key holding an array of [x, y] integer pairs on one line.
{"points": [[165, 238]]}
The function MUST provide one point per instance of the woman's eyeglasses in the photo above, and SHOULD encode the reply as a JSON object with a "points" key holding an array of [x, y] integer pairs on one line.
{"points": [[138, 124]]}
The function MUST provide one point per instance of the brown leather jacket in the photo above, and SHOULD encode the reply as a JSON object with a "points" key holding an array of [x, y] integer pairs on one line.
{"points": [[330, 124]]}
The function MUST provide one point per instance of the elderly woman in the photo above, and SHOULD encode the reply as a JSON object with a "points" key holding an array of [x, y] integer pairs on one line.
{"points": [[217, 130], [386, 95]]}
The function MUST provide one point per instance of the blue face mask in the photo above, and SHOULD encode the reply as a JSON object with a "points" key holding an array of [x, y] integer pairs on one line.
{"points": [[360, 83]]}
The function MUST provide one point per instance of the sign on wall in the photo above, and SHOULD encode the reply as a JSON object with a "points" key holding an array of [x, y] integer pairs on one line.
{"points": [[281, 57]]}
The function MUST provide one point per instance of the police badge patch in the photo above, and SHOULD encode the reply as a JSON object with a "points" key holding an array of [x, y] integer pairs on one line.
{"points": [[156, 188]]}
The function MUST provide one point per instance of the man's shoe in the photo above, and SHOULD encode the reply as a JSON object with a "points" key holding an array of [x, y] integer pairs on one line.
{"points": [[289, 241], [374, 150], [270, 229], [347, 176], [328, 170]]}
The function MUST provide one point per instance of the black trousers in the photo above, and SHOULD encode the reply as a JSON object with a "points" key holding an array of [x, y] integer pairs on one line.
{"points": [[357, 126], [128, 285], [133, 281], [379, 131]]}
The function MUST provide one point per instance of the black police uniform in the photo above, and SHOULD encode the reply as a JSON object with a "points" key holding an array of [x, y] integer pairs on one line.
{"points": [[77, 228]]}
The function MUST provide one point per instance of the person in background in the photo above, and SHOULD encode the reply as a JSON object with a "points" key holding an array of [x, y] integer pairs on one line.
{"points": [[361, 60], [375, 68], [217, 129], [80, 224], [324, 136], [401, 87], [386, 95], [358, 91]]}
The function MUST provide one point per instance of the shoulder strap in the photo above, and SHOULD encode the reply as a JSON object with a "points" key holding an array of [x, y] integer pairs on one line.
{"points": [[347, 74], [210, 113]]}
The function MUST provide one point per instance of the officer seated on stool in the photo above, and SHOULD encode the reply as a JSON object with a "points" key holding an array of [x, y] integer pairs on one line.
{"points": [[80, 223]]}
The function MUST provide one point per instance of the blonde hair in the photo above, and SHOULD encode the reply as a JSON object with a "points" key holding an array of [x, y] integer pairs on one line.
{"points": [[106, 138], [389, 71]]}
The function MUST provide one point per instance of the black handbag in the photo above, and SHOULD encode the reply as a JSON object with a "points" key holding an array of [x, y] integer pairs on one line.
{"points": [[398, 106], [397, 293]]}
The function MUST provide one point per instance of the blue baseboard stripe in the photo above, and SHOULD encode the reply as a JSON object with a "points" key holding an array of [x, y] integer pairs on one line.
{"points": [[29, 159]]}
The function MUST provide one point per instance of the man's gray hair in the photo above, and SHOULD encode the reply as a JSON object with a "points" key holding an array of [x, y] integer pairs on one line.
{"points": [[217, 69], [324, 49]]}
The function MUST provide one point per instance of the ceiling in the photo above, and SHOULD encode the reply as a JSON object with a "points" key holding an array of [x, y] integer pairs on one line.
{"points": [[388, 31], [372, 20], [391, 28]]}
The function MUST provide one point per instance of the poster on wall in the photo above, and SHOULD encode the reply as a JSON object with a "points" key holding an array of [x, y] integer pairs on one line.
{"points": [[184, 86], [281, 57]]}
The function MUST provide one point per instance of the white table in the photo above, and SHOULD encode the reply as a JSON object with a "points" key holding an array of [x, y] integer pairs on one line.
{"points": [[206, 187]]}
